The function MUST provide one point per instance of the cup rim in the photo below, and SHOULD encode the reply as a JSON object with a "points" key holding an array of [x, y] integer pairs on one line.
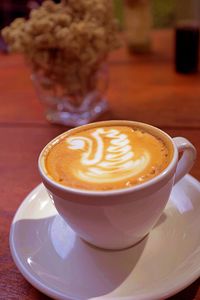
{"points": [[136, 188]]}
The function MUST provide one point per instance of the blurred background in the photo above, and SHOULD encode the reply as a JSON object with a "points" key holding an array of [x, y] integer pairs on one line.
{"points": [[163, 11]]}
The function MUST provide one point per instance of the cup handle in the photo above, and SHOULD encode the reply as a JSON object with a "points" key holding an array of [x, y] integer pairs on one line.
{"points": [[187, 159]]}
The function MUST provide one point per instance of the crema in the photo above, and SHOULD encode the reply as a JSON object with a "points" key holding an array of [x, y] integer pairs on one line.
{"points": [[106, 158]]}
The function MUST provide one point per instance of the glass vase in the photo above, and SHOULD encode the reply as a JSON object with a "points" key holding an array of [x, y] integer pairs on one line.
{"points": [[71, 106]]}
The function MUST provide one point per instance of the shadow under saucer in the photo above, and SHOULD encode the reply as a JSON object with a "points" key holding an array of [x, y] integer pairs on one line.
{"points": [[61, 259]]}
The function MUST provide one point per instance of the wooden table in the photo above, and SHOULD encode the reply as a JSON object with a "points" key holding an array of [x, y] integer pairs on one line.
{"points": [[143, 88]]}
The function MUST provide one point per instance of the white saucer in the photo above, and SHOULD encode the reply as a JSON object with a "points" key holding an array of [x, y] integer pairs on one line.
{"points": [[59, 264]]}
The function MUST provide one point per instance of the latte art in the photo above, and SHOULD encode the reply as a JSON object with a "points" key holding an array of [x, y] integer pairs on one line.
{"points": [[106, 158], [106, 162]]}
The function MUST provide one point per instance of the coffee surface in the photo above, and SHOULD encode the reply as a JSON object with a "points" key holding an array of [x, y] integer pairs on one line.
{"points": [[106, 158]]}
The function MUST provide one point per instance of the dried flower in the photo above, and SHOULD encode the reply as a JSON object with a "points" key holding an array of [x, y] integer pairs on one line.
{"points": [[66, 41]]}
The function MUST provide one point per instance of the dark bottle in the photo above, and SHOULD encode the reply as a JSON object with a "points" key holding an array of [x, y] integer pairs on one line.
{"points": [[187, 48], [187, 36]]}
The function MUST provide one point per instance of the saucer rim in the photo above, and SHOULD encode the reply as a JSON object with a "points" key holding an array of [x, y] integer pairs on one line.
{"points": [[56, 294]]}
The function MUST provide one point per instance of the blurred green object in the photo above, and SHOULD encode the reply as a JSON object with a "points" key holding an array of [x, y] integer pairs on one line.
{"points": [[118, 7], [163, 12]]}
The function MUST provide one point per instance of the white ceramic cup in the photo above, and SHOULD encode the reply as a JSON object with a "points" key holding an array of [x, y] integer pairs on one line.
{"points": [[119, 218]]}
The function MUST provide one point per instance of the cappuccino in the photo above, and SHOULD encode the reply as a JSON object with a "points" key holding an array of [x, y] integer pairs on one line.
{"points": [[106, 157]]}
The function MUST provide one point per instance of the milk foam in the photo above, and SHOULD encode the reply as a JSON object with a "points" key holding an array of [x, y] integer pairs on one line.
{"points": [[112, 161]]}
